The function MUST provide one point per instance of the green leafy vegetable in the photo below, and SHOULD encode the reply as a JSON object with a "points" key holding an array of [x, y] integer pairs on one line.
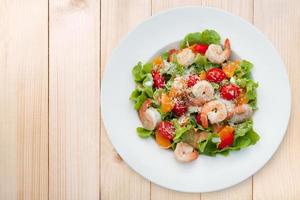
{"points": [[210, 37], [192, 38], [180, 131], [138, 72], [244, 69], [250, 87], [143, 133], [147, 67], [243, 128], [165, 55]]}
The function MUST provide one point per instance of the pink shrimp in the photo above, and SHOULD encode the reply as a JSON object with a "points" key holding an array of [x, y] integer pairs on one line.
{"points": [[216, 54], [185, 152], [241, 113], [149, 116], [215, 111]]}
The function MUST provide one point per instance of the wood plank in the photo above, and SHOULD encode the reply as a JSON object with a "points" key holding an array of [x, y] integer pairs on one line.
{"points": [[243, 9], [118, 181], [74, 171], [280, 178], [158, 192], [24, 99]]}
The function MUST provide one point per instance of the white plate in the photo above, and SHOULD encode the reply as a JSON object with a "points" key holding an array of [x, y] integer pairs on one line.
{"points": [[206, 173]]}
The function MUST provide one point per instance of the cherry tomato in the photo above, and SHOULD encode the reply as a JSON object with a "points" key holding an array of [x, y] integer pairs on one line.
{"points": [[158, 80], [166, 129], [171, 53], [192, 80], [215, 75], [200, 48], [230, 91], [179, 108], [226, 136]]}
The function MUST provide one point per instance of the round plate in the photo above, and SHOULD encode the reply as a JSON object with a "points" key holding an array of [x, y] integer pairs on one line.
{"points": [[206, 173]]}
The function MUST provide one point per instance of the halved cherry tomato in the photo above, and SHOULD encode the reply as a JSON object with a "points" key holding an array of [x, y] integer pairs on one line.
{"points": [[192, 80], [202, 75], [230, 91], [166, 129], [171, 54], [158, 80], [230, 68], [226, 136], [179, 108], [166, 103], [215, 75], [162, 141], [200, 48]]}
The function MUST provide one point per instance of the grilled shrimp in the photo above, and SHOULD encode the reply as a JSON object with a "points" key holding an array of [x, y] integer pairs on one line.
{"points": [[185, 152], [215, 111], [216, 54], [203, 92], [229, 107], [149, 116], [179, 84], [241, 113], [186, 57]]}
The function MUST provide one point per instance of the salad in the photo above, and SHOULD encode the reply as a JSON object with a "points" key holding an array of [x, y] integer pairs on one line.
{"points": [[196, 100]]}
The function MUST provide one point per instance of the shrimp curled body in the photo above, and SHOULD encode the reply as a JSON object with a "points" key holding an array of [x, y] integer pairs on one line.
{"points": [[216, 54], [203, 92], [185, 152], [215, 111], [149, 116], [241, 113]]}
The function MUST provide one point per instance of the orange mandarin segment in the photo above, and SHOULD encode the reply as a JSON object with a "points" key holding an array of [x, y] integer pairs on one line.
{"points": [[230, 68], [157, 61], [202, 75], [162, 141], [242, 98], [166, 103]]}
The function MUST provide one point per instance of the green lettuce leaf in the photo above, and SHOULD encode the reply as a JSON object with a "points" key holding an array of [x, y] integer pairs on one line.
{"points": [[210, 37], [244, 69], [144, 133]]}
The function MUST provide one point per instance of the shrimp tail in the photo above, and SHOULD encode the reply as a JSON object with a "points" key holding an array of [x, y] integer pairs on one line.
{"points": [[204, 120], [227, 48]]}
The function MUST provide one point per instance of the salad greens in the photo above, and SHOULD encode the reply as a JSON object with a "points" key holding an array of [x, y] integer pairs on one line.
{"points": [[186, 96]]}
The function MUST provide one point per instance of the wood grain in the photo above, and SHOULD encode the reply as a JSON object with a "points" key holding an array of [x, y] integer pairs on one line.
{"points": [[74, 171], [117, 180], [24, 101], [280, 178]]}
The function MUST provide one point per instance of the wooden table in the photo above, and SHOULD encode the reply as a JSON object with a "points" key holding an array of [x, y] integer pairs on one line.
{"points": [[52, 142]]}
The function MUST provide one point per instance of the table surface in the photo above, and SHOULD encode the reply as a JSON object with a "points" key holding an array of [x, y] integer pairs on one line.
{"points": [[53, 144]]}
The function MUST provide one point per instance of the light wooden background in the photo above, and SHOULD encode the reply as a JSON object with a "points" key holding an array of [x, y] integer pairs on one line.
{"points": [[52, 142]]}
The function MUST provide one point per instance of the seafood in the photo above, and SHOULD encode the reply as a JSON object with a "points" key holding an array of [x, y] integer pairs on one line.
{"points": [[216, 54], [202, 92], [185, 152], [241, 113], [215, 111], [186, 57], [149, 116]]}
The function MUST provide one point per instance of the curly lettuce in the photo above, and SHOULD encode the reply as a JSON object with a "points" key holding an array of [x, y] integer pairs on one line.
{"points": [[206, 37]]}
